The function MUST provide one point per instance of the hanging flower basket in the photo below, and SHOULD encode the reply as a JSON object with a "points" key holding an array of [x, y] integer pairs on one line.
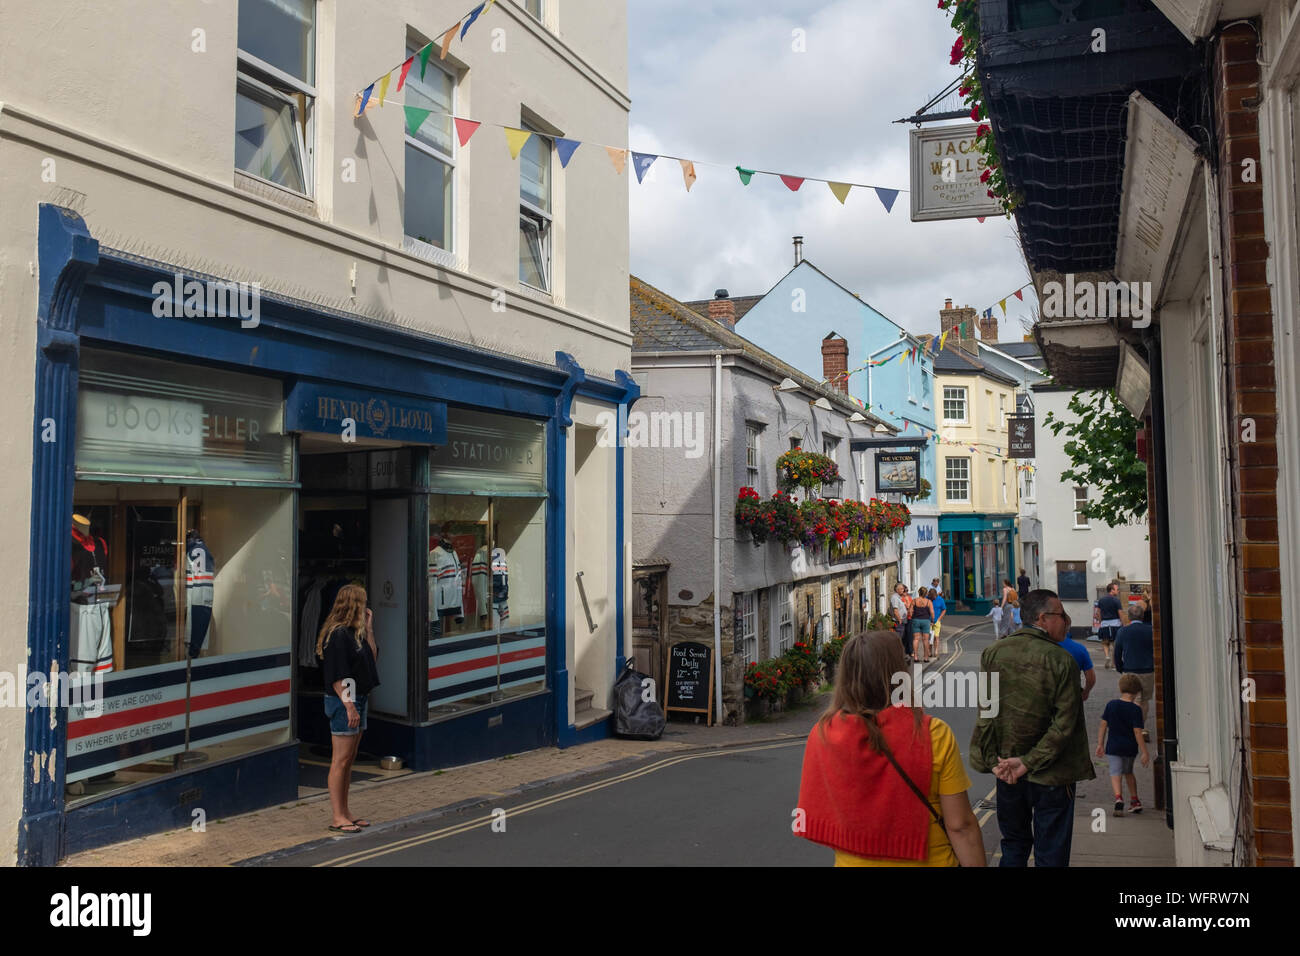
{"points": [[805, 469]]}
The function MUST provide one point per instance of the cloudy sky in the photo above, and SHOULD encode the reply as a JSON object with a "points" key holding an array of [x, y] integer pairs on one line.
{"points": [[719, 82]]}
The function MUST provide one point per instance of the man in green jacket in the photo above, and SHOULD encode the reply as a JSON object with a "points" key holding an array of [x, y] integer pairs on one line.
{"points": [[1037, 744]]}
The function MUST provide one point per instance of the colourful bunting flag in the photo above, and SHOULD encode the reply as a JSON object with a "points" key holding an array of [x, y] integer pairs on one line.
{"points": [[414, 117], [1019, 295], [515, 139], [565, 148], [618, 157], [473, 15], [642, 162], [424, 56], [1003, 303], [979, 218], [446, 44], [365, 99], [688, 173], [465, 129], [840, 191], [406, 68], [792, 183], [942, 339], [383, 87], [887, 197], [745, 174]]}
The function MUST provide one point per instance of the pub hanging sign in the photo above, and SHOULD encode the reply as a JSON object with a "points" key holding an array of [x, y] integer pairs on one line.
{"points": [[1020, 436], [898, 472]]}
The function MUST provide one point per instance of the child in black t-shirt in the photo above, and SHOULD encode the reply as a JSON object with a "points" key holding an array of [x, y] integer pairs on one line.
{"points": [[1123, 718]]}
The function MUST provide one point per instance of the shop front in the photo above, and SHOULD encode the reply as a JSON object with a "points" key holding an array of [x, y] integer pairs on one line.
{"points": [[224, 482], [978, 553]]}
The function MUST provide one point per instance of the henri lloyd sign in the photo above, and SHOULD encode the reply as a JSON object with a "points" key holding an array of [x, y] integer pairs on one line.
{"points": [[946, 169], [317, 407]]}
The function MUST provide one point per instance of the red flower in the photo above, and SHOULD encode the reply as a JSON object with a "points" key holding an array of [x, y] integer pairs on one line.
{"points": [[983, 130], [963, 91], [957, 51], [991, 196], [984, 176], [975, 112]]}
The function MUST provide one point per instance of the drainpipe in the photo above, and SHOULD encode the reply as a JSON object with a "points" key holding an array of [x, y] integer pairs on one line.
{"points": [[717, 535]]}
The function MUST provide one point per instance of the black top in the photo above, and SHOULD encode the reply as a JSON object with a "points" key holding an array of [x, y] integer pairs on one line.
{"points": [[1022, 585], [1109, 606], [1122, 718], [921, 613], [343, 659]]}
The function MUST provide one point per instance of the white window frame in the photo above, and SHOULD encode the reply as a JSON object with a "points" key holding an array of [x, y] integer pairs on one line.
{"points": [[925, 389], [782, 620], [749, 626], [824, 611], [963, 398], [540, 15], [306, 129], [830, 448], [411, 243], [992, 422], [1028, 491], [1006, 500], [1084, 525], [949, 479], [1002, 411], [538, 217], [753, 460]]}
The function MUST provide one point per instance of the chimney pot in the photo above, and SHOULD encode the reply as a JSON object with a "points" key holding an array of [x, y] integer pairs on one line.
{"points": [[947, 303], [798, 249], [722, 310]]}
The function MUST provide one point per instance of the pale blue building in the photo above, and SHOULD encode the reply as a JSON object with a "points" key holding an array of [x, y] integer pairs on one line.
{"points": [[800, 319]]}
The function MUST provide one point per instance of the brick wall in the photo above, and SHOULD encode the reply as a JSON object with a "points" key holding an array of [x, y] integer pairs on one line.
{"points": [[1251, 390], [835, 362]]}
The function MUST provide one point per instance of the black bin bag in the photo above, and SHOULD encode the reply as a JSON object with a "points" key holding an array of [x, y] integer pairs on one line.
{"points": [[635, 717]]}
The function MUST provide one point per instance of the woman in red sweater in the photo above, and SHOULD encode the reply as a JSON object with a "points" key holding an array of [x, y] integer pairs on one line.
{"points": [[853, 793]]}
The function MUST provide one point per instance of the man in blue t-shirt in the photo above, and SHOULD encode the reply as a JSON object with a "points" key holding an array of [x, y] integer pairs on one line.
{"points": [[1084, 660], [1106, 619], [1120, 738]]}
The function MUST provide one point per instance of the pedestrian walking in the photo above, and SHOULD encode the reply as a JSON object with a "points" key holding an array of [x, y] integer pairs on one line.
{"points": [[995, 612], [1135, 654], [346, 647], [883, 784], [902, 617], [940, 609], [1120, 740], [1010, 608], [922, 616], [1105, 618], [1037, 743], [1022, 584]]}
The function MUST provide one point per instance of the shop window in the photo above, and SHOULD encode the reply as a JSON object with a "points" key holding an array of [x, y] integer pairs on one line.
{"points": [[535, 211], [957, 479], [954, 404], [181, 589], [275, 91], [429, 202], [486, 563]]}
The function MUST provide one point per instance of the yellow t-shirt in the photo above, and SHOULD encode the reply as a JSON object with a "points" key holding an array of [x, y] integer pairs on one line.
{"points": [[947, 777]]}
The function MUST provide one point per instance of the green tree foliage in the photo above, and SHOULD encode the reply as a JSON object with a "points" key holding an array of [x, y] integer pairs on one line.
{"points": [[1102, 447]]}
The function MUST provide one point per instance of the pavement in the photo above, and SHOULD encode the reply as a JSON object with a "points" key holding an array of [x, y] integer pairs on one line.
{"points": [[397, 801]]}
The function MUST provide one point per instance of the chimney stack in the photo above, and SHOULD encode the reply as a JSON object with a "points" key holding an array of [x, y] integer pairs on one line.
{"points": [[951, 321], [798, 249], [835, 362], [722, 310], [989, 329]]}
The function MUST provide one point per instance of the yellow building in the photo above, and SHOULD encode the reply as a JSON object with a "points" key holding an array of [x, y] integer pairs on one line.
{"points": [[978, 492]]}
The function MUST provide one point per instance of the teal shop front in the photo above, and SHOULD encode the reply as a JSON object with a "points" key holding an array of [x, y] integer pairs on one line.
{"points": [[978, 553]]}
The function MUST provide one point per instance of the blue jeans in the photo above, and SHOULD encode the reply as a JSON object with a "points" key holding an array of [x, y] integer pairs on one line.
{"points": [[1032, 816]]}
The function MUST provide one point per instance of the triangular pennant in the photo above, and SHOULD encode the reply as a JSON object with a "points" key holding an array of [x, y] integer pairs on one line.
{"points": [[887, 197], [1020, 295], [424, 57], [406, 68], [745, 174], [446, 43], [642, 162], [565, 148], [414, 117], [465, 129], [942, 339], [688, 173], [840, 191], [1003, 303], [618, 157], [383, 87], [792, 183], [365, 99], [515, 138], [979, 218], [469, 21]]}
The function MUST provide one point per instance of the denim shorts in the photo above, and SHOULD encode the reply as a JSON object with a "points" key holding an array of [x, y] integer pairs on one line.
{"points": [[1119, 765], [920, 625], [338, 716]]}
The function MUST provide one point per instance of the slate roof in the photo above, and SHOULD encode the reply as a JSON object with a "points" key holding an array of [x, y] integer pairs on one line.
{"points": [[1027, 352], [662, 324], [957, 361]]}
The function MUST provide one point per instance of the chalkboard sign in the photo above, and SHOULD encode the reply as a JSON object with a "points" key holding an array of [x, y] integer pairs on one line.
{"points": [[1072, 580], [690, 679]]}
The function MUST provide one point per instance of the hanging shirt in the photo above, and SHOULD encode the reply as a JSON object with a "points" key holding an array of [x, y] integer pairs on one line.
{"points": [[200, 573], [446, 583], [500, 585], [478, 576]]}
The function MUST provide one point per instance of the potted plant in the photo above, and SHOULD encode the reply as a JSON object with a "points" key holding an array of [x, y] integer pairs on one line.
{"points": [[830, 656]]}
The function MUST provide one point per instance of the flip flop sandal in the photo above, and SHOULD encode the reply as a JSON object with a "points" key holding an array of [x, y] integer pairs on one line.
{"points": [[363, 823], [347, 828]]}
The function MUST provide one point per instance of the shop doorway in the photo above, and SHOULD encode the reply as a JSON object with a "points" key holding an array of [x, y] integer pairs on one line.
{"points": [[649, 598]]}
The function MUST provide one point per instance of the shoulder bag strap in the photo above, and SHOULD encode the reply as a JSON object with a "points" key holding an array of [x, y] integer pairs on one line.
{"points": [[938, 818]]}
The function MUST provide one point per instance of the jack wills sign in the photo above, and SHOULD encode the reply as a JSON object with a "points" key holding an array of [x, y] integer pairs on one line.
{"points": [[361, 413], [946, 169]]}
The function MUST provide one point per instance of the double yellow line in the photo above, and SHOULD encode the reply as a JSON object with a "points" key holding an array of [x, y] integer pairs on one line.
{"points": [[952, 659], [459, 828]]}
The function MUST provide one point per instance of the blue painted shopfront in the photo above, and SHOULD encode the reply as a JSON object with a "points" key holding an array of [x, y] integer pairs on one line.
{"points": [[978, 552], [403, 397]]}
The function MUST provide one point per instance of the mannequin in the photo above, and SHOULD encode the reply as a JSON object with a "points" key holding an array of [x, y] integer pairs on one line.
{"points": [[90, 637], [200, 582], [446, 582]]}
